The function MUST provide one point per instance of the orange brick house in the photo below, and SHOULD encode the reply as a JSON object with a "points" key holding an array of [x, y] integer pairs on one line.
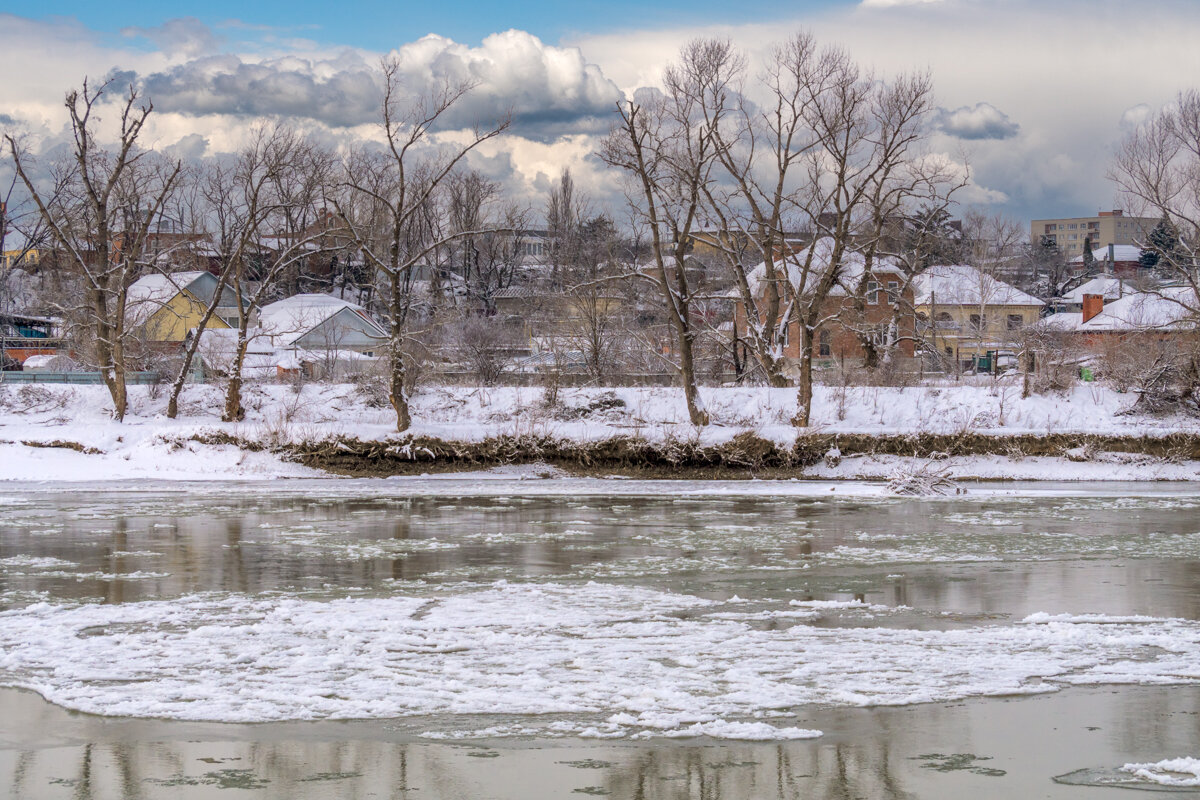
{"points": [[875, 304]]}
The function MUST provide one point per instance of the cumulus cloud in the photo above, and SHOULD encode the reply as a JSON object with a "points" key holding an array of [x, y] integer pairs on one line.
{"points": [[980, 121], [1136, 116], [189, 148], [185, 36], [547, 90]]}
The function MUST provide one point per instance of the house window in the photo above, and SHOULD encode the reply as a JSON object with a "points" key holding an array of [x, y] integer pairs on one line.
{"points": [[872, 293], [978, 322], [893, 292], [824, 344], [1015, 321]]}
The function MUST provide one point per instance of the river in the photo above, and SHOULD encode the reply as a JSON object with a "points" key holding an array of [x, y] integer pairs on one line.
{"points": [[475, 636]]}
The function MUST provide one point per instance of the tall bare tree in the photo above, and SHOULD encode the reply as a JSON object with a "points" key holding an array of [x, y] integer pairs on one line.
{"points": [[103, 205], [668, 150], [270, 218], [864, 133], [1157, 168], [394, 203]]}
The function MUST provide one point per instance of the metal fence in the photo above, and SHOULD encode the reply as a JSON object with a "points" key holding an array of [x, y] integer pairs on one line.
{"points": [[77, 378]]}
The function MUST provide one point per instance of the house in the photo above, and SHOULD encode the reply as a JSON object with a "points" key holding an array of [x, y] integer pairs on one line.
{"points": [[22, 337], [164, 307], [967, 314], [1119, 259], [1158, 314], [884, 294], [321, 322], [218, 349], [1109, 287]]}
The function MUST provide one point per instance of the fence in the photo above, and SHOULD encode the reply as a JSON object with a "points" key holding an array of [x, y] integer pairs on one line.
{"points": [[78, 378]]}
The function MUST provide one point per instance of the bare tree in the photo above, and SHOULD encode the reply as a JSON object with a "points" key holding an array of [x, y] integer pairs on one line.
{"points": [[865, 133], [103, 205], [392, 203], [1157, 168], [668, 149], [270, 217]]}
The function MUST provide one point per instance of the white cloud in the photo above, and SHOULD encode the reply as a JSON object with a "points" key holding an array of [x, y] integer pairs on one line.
{"points": [[1067, 78], [980, 121]]}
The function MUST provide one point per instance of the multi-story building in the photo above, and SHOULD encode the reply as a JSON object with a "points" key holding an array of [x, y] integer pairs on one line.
{"points": [[1107, 227]]}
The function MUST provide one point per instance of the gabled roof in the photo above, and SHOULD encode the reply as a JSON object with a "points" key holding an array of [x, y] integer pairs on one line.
{"points": [[1107, 286], [1121, 252], [853, 265], [1169, 309], [157, 289], [290, 319], [964, 285], [149, 293]]}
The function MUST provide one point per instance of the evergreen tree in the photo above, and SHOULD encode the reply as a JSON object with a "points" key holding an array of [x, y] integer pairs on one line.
{"points": [[1162, 244], [1089, 258]]}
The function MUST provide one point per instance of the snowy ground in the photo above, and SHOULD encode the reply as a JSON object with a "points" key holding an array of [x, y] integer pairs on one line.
{"points": [[146, 444]]}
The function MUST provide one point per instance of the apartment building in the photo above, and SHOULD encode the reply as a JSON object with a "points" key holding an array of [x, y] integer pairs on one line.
{"points": [[1107, 227]]}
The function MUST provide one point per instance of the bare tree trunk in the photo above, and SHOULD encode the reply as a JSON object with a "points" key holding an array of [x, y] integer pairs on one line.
{"points": [[107, 358], [687, 373], [397, 391], [804, 391], [233, 390]]}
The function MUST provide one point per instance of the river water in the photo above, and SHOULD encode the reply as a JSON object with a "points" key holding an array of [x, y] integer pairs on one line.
{"points": [[483, 637]]}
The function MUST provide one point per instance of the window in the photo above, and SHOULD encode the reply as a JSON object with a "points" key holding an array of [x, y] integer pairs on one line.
{"points": [[872, 293], [824, 344], [1015, 321], [893, 292], [978, 322], [1072, 226]]}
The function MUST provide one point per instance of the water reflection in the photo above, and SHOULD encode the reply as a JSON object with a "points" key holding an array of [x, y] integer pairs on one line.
{"points": [[974, 556], [985, 749]]}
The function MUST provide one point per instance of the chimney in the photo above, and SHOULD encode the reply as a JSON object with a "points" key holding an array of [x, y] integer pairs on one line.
{"points": [[1093, 304]]}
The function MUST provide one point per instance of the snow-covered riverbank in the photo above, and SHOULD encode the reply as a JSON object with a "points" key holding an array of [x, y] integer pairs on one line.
{"points": [[51, 432]]}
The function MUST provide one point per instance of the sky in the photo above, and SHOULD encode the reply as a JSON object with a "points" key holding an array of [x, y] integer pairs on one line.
{"points": [[1032, 95]]}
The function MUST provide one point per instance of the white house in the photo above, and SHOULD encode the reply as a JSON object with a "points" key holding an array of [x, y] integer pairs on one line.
{"points": [[320, 322]]}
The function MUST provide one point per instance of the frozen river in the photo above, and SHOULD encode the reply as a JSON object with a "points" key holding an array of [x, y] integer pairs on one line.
{"points": [[488, 637]]}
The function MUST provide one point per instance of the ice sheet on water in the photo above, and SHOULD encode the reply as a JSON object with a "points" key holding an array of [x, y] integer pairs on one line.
{"points": [[611, 660], [1168, 772]]}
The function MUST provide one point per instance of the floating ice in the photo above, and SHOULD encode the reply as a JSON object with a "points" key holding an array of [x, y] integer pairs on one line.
{"points": [[1169, 772], [597, 659]]}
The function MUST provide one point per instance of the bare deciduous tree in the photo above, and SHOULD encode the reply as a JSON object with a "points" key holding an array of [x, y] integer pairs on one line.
{"points": [[668, 149], [392, 203], [103, 205]]}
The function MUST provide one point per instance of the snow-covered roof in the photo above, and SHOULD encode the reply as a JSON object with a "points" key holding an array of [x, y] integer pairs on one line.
{"points": [[963, 285], [1109, 287], [1121, 252], [853, 265], [1063, 321], [151, 292], [290, 319], [1169, 309]]}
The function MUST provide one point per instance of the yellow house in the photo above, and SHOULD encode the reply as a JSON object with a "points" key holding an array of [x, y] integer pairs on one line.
{"points": [[10, 259], [165, 307], [967, 313]]}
